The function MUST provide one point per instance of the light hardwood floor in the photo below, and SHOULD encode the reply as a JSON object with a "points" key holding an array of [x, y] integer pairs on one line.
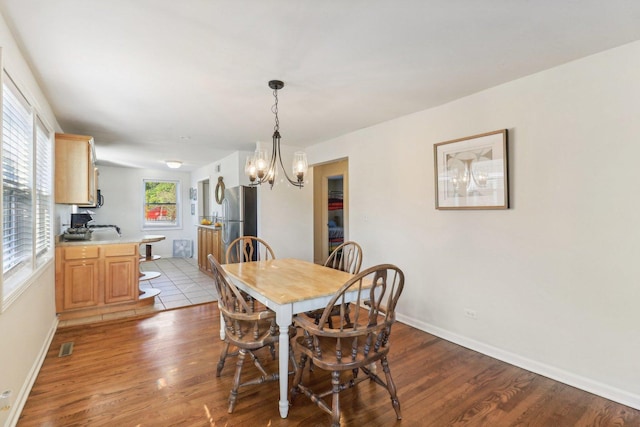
{"points": [[160, 371]]}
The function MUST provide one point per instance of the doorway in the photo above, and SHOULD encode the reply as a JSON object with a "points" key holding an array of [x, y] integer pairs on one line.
{"points": [[330, 208], [203, 200]]}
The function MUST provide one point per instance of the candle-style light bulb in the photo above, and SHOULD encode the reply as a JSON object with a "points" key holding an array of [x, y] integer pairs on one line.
{"points": [[250, 168], [300, 165]]}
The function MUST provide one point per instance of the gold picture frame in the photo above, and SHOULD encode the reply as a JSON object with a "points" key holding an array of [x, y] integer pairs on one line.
{"points": [[472, 172]]}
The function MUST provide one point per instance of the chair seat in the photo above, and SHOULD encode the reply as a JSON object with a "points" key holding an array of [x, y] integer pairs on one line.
{"points": [[317, 314], [253, 336], [328, 360]]}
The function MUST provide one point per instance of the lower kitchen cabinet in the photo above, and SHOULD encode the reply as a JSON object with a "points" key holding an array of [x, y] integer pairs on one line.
{"points": [[94, 276], [80, 283], [209, 242], [121, 273]]}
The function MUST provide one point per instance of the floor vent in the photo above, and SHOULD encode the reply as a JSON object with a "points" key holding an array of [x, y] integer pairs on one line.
{"points": [[66, 349]]}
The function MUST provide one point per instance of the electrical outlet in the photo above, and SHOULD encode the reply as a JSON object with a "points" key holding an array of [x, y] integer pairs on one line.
{"points": [[471, 314], [5, 400]]}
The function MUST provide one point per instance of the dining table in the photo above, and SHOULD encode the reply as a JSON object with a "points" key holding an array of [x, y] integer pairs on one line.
{"points": [[287, 286]]}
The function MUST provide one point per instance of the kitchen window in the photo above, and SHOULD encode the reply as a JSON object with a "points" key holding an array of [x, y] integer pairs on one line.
{"points": [[26, 193], [161, 204]]}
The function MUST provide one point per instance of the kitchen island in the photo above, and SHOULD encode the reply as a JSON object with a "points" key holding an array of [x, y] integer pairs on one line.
{"points": [[100, 275]]}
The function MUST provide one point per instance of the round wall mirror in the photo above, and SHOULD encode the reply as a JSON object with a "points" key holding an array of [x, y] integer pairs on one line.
{"points": [[219, 191]]}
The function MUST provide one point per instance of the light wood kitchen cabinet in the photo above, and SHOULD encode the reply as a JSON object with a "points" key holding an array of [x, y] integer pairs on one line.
{"points": [[81, 277], [76, 175], [209, 242], [95, 276], [120, 273]]}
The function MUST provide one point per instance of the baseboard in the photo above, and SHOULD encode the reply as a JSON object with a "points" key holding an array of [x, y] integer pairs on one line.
{"points": [[21, 398], [612, 393]]}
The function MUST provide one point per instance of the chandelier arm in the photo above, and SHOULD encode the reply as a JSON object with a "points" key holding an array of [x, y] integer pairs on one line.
{"points": [[272, 167], [292, 182]]}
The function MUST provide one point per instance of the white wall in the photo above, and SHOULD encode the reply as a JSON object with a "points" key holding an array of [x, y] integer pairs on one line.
{"points": [[27, 325], [288, 236], [232, 172], [554, 279], [286, 214], [122, 189]]}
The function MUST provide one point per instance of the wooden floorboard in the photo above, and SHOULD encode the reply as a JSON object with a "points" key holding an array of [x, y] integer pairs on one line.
{"points": [[160, 371]]}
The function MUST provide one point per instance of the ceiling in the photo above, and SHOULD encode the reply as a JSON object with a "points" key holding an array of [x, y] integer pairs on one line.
{"points": [[153, 80]]}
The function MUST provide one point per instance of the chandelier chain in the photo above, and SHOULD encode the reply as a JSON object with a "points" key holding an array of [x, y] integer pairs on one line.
{"points": [[274, 110]]}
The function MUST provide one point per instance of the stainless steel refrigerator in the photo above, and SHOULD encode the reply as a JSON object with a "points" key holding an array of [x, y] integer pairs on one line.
{"points": [[239, 214]]}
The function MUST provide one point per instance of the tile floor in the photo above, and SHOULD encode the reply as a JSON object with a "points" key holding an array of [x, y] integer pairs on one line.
{"points": [[181, 284]]}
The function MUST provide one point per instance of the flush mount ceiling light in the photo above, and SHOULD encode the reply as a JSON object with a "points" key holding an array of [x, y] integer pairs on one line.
{"points": [[261, 168], [173, 164]]}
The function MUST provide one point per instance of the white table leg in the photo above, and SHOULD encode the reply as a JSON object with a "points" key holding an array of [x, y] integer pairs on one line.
{"points": [[284, 318]]}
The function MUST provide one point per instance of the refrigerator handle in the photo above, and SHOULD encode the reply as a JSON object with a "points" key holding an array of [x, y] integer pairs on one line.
{"points": [[225, 221]]}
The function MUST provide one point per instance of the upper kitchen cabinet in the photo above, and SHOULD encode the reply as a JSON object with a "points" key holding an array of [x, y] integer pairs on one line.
{"points": [[76, 174]]}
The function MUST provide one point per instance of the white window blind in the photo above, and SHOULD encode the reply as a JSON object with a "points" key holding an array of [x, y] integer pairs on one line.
{"points": [[44, 198], [27, 162], [17, 144]]}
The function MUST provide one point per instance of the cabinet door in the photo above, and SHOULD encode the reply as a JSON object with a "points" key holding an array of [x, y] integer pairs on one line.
{"points": [[80, 283], [215, 245], [75, 173], [121, 279], [202, 256], [93, 189], [208, 243]]}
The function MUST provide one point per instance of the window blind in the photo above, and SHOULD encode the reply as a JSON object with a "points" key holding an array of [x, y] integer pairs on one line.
{"points": [[27, 196], [44, 198]]}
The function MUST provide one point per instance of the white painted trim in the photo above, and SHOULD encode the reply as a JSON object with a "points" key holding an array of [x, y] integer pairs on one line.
{"points": [[21, 398], [612, 393]]}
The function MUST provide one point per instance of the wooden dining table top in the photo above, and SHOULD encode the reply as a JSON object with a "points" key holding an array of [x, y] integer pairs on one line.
{"points": [[288, 280]]}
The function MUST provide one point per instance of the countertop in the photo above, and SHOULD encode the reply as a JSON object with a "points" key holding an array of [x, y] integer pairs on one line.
{"points": [[209, 226], [103, 238]]}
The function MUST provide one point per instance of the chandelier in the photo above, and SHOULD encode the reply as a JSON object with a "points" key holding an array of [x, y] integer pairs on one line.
{"points": [[261, 168]]}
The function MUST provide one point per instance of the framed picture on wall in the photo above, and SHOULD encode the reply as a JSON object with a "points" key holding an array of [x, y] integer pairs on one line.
{"points": [[472, 172]]}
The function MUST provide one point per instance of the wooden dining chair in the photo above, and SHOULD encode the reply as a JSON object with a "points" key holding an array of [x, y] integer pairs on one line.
{"points": [[248, 248], [246, 329], [346, 257], [355, 346]]}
